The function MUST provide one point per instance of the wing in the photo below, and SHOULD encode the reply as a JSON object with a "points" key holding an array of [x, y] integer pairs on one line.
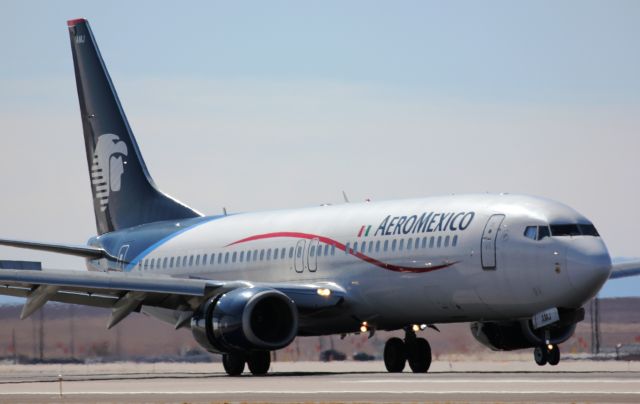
{"points": [[125, 293], [625, 267]]}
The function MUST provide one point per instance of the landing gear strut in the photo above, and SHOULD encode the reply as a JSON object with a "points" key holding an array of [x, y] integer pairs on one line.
{"points": [[416, 351], [259, 363], [547, 354]]}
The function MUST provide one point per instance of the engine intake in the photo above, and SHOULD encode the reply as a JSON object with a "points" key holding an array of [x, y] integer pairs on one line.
{"points": [[511, 335], [246, 319]]}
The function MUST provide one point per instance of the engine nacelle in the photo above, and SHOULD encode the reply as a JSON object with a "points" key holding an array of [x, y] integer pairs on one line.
{"points": [[511, 335], [246, 319]]}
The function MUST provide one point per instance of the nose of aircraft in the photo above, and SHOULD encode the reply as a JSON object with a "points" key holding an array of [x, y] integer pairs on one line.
{"points": [[589, 266]]}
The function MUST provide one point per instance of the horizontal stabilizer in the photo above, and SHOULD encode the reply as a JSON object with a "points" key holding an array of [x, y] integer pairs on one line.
{"points": [[69, 249]]}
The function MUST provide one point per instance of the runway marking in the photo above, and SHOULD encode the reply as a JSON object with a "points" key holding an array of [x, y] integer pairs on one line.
{"points": [[541, 381]]}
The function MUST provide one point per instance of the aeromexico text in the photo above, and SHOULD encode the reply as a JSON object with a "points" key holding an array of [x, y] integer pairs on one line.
{"points": [[428, 222]]}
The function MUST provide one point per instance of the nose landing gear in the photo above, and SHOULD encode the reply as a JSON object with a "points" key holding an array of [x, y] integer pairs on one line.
{"points": [[416, 351], [547, 354]]}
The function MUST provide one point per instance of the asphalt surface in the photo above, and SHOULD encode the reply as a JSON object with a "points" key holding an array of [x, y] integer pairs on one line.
{"points": [[581, 381]]}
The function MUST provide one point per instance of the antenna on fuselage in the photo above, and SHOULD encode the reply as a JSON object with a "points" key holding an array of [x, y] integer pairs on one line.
{"points": [[344, 195], [224, 211]]}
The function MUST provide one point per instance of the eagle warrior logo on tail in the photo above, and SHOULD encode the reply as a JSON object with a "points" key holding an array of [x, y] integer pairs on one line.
{"points": [[107, 167]]}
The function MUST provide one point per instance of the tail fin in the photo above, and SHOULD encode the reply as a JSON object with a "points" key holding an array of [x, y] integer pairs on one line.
{"points": [[124, 195]]}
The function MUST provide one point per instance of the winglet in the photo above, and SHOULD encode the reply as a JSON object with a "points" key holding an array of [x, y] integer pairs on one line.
{"points": [[74, 22]]}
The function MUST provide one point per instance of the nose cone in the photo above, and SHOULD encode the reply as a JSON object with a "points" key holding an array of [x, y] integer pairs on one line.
{"points": [[589, 267]]}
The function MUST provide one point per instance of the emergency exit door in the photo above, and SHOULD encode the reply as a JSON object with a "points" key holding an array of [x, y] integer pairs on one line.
{"points": [[489, 238]]}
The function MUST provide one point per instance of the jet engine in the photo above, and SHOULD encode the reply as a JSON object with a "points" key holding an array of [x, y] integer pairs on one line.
{"points": [[246, 319], [511, 335]]}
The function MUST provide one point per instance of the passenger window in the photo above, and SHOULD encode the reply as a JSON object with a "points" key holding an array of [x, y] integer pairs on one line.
{"points": [[249, 256], [312, 251], [283, 252], [204, 259], [409, 244], [275, 254], [355, 246], [213, 259], [171, 262], [333, 249], [219, 258], [191, 260], [370, 247], [454, 242], [401, 246], [378, 246], [241, 256], [394, 242], [386, 245], [439, 241], [446, 241], [226, 258], [197, 260], [531, 232], [363, 246], [233, 257], [261, 255], [424, 242], [432, 241], [291, 252], [151, 263], [164, 262], [346, 249]]}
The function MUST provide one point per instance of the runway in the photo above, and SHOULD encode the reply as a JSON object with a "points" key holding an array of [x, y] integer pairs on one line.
{"points": [[312, 382]]}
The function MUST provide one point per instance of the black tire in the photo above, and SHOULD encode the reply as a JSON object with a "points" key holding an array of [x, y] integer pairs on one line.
{"points": [[259, 363], [233, 364], [553, 356], [540, 355], [419, 355], [395, 355]]}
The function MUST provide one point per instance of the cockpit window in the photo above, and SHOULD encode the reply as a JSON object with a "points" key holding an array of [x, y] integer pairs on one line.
{"points": [[565, 230], [574, 230], [543, 231], [588, 230], [531, 232]]}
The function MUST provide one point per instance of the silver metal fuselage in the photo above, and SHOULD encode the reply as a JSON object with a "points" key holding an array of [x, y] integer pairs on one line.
{"points": [[435, 282]]}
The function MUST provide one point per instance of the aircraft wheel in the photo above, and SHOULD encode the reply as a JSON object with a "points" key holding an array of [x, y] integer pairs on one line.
{"points": [[540, 355], [419, 353], [395, 355], [553, 355], [259, 363], [233, 363]]}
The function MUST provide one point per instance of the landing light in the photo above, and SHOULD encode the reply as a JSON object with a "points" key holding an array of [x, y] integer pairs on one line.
{"points": [[550, 347], [415, 327], [364, 327], [324, 292]]}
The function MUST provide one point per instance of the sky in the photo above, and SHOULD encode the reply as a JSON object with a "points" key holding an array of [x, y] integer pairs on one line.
{"points": [[260, 105]]}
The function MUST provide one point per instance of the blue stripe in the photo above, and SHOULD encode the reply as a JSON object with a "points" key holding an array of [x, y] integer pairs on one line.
{"points": [[162, 241]]}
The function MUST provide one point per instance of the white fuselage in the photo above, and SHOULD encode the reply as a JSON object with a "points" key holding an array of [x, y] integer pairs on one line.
{"points": [[402, 262]]}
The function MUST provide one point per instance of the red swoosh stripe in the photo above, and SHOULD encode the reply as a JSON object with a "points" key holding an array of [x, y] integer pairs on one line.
{"points": [[342, 247]]}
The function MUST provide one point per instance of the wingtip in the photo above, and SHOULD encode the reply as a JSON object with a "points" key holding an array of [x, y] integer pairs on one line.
{"points": [[74, 22]]}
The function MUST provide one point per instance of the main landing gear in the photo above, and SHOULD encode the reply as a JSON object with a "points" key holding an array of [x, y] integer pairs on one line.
{"points": [[416, 351], [547, 354], [259, 363]]}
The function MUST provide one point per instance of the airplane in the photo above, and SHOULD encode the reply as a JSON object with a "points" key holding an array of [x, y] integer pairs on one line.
{"points": [[518, 268]]}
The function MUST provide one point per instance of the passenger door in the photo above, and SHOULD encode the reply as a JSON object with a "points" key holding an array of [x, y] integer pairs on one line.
{"points": [[489, 237]]}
